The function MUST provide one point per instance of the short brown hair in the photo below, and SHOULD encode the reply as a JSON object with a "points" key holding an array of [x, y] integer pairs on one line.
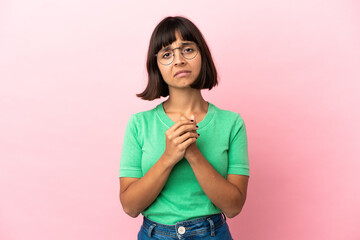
{"points": [[163, 35]]}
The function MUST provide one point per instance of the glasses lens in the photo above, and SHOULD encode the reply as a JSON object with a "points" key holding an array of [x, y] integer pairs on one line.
{"points": [[187, 50], [165, 56]]}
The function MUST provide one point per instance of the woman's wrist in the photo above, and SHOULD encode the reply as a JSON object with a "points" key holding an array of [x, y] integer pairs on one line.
{"points": [[167, 161], [192, 153]]}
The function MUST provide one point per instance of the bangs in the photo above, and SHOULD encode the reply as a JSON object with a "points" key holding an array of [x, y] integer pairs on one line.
{"points": [[165, 34]]}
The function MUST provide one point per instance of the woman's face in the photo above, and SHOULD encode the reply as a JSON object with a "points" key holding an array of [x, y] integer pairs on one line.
{"points": [[181, 72]]}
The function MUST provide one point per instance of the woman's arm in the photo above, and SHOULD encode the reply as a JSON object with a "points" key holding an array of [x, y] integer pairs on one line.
{"points": [[136, 194], [227, 194]]}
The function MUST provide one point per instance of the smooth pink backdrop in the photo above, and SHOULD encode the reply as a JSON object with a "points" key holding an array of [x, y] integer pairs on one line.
{"points": [[69, 71]]}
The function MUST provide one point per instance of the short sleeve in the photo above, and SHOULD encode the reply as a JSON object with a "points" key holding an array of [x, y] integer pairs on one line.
{"points": [[131, 153], [238, 150]]}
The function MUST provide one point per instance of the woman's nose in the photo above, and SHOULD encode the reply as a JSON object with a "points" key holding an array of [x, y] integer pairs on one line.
{"points": [[178, 57]]}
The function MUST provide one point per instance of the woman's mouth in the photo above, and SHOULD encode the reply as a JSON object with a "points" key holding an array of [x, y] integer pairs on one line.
{"points": [[182, 73]]}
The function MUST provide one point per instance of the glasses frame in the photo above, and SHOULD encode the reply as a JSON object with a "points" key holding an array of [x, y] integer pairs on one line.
{"points": [[182, 54]]}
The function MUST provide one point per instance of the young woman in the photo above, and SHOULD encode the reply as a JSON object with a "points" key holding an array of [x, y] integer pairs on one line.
{"points": [[185, 162]]}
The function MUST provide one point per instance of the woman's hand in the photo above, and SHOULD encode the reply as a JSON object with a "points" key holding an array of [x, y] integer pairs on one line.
{"points": [[192, 150], [178, 138]]}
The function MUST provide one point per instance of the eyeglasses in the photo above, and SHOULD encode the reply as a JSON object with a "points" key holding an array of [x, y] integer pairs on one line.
{"points": [[187, 50]]}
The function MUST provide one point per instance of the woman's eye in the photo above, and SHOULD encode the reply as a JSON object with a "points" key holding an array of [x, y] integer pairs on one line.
{"points": [[188, 50], [166, 55]]}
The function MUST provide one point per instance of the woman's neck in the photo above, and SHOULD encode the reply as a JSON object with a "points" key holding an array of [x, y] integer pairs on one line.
{"points": [[185, 102]]}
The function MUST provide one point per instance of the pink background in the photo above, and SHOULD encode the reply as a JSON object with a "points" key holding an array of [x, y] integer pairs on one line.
{"points": [[69, 71]]}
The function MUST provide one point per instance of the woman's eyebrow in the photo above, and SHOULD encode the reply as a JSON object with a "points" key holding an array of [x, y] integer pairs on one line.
{"points": [[186, 43], [165, 48], [182, 43]]}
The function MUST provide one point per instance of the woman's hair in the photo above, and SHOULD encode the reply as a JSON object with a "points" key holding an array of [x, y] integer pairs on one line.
{"points": [[163, 35]]}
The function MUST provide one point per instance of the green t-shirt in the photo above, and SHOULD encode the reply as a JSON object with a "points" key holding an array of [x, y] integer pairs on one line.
{"points": [[222, 141]]}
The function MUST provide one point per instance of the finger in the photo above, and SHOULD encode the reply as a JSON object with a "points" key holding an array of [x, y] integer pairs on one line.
{"points": [[192, 118], [186, 136], [171, 132], [184, 128], [178, 124], [187, 143]]}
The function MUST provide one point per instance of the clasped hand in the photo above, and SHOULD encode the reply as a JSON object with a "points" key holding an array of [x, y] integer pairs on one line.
{"points": [[181, 140]]}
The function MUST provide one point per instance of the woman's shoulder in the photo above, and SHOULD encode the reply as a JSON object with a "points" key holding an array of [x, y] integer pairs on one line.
{"points": [[229, 115], [229, 119], [144, 115]]}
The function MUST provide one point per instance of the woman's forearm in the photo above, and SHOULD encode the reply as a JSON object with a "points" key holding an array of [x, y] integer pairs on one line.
{"points": [[222, 193], [138, 195]]}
